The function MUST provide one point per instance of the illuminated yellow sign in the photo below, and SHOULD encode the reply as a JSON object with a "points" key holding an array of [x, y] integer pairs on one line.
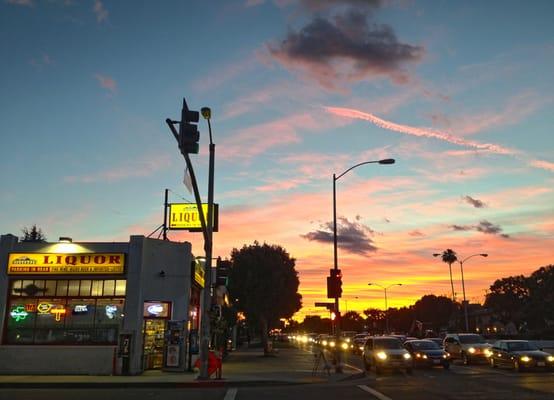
{"points": [[198, 273], [186, 216], [57, 263]]}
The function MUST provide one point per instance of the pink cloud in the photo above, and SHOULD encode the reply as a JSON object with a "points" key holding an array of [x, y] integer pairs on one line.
{"points": [[221, 75], [135, 169], [547, 165], [106, 82], [416, 131]]}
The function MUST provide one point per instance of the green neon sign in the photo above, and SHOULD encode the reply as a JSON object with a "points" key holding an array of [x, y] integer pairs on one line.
{"points": [[18, 313]]}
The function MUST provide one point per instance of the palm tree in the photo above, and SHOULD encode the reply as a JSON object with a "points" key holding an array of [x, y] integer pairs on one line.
{"points": [[449, 257]]}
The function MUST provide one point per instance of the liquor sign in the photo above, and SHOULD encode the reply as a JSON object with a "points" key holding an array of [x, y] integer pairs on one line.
{"points": [[185, 216], [60, 263]]}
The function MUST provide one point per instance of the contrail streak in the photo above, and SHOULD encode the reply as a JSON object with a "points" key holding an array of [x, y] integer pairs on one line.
{"points": [[415, 131]]}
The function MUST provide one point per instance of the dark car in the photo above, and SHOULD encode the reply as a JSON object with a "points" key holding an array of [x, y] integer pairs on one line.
{"points": [[437, 340], [426, 353], [520, 355]]}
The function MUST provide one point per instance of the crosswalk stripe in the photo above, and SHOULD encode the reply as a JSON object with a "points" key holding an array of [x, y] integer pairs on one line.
{"points": [[230, 395], [374, 392]]}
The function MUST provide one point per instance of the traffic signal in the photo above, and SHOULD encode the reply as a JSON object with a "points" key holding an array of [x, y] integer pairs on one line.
{"points": [[334, 284], [222, 271], [188, 131]]}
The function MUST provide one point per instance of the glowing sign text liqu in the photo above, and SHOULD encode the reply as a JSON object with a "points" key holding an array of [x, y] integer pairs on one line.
{"points": [[18, 313], [111, 311], [61, 263], [44, 308], [155, 309], [58, 312]]}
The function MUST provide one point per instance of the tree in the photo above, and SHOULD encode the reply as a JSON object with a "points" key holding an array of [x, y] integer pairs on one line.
{"points": [[509, 298], [540, 312], [33, 235], [352, 321], [265, 282], [434, 311], [375, 319], [449, 257]]}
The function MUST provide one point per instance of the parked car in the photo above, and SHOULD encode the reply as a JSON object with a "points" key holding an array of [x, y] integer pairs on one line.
{"points": [[468, 347], [519, 355], [386, 352], [426, 353]]}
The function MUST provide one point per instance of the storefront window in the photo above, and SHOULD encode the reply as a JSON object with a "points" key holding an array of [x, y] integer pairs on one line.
{"points": [[36, 318]]}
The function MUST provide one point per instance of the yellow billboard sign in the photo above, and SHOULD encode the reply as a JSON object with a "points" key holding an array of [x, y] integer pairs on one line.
{"points": [[185, 216], [199, 274], [58, 263]]}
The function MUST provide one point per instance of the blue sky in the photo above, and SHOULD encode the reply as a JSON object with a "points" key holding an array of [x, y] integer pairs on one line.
{"points": [[459, 93]]}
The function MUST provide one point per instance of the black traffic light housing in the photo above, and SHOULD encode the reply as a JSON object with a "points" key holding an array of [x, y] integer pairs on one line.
{"points": [[222, 271], [188, 130], [334, 284]]}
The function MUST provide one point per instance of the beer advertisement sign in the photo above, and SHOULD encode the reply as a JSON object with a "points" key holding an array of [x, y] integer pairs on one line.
{"points": [[61, 263]]}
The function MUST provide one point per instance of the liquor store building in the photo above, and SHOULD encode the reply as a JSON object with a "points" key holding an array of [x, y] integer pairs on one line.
{"points": [[95, 308]]}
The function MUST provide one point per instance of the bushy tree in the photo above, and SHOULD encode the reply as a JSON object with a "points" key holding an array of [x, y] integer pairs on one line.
{"points": [[264, 280], [435, 312], [33, 235]]}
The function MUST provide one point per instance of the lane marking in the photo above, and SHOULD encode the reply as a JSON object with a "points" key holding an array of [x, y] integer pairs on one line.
{"points": [[374, 392], [230, 395]]}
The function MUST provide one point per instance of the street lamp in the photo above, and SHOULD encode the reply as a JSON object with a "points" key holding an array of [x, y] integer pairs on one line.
{"points": [[338, 366], [463, 284], [386, 302], [455, 258]]}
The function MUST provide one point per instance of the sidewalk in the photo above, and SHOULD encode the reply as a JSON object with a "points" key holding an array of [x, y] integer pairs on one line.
{"points": [[243, 367]]}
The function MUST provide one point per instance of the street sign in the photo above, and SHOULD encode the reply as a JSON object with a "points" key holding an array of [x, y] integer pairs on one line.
{"points": [[329, 306]]}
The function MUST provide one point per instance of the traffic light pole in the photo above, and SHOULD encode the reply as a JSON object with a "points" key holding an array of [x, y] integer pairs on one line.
{"points": [[338, 365]]}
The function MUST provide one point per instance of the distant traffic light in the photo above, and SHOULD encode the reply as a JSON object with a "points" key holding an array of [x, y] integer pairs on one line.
{"points": [[188, 131], [334, 284]]}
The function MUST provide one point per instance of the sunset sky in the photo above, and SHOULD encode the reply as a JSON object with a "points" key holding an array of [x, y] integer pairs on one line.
{"points": [[459, 93]]}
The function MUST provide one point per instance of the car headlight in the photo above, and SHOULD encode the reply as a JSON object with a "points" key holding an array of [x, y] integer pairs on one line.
{"points": [[332, 344], [407, 356], [345, 346], [382, 355], [324, 342], [425, 356], [471, 350], [444, 356], [347, 340], [488, 352], [550, 358], [362, 348], [525, 359], [418, 355]]}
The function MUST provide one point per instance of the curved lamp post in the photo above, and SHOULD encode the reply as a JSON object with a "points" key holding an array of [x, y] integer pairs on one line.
{"points": [[338, 367], [386, 302]]}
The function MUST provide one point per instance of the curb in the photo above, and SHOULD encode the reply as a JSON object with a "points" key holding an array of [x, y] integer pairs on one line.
{"points": [[115, 385]]}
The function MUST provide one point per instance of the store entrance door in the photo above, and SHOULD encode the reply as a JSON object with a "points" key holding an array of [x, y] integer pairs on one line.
{"points": [[153, 340]]}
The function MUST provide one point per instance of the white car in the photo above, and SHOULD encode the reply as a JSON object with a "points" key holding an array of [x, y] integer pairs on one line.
{"points": [[468, 347]]}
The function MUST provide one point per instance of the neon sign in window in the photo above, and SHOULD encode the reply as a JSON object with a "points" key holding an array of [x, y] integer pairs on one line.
{"points": [[18, 313], [111, 311], [58, 312]]}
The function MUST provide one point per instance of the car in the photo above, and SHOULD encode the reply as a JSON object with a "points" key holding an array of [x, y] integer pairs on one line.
{"points": [[468, 347], [359, 341], [386, 352], [437, 340], [426, 353], [519, 355]]}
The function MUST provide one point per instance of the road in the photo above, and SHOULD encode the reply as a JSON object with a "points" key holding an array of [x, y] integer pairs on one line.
{"points": [[460, 382]]}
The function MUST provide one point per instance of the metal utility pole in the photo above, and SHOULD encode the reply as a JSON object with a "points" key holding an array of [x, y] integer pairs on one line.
{"points": [[187, 138], [205, 321]]}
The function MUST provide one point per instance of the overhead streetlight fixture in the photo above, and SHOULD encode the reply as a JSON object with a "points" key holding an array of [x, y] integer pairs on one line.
{"points": [[206, 112], [65, 239], [387, 161]]}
